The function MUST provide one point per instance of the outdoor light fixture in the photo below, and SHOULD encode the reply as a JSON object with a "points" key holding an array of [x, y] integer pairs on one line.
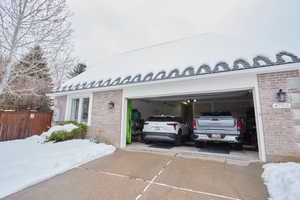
{"points": [[111, 105], [281, 96]]}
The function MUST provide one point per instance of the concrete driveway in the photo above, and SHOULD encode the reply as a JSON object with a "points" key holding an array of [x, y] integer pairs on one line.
{"points": [[148, 176]]}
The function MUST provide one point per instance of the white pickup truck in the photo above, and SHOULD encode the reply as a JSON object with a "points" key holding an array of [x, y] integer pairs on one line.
{"points": [[217, 127]]}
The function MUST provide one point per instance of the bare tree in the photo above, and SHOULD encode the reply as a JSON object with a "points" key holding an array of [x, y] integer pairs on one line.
{"points": [[60, 64], [2, 61], [27, 23]]}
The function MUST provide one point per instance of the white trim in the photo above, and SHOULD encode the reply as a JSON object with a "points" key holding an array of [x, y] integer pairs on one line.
{"points": [[259, 124], [205, 85], [91, 96], [80, 97], [258, 120], [209, 85], [191, 93], [250, 71], [123, 122], [80, 109], [67, 114]]}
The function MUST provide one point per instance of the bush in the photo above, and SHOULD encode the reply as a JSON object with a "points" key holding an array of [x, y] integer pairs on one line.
{"points": [[58, 136], [77, 133]]}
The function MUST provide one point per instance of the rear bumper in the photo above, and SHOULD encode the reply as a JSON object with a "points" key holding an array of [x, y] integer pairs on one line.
{"points": [[160, 137], [208, 137]]}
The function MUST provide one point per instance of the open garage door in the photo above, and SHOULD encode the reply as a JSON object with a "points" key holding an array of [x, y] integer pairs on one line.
{"points": [[213, 123]]}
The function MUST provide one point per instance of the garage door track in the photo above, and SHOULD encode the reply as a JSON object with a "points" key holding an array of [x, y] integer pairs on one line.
{"points": [[148, 176]]}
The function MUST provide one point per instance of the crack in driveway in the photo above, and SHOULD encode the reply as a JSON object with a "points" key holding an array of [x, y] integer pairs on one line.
{"points": [[153, 182]]}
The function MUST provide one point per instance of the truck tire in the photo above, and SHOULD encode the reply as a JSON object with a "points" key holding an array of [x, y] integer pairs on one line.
{"points": [[237, 146], [201, 144], [147, 142]]}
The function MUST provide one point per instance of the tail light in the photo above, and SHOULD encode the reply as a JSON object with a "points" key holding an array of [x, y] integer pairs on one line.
{"points": [[172, 124], [194, 125], [238, 125]]}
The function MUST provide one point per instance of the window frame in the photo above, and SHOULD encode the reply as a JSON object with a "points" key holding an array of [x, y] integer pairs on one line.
{"points": [[71, 117], [80, 97]]}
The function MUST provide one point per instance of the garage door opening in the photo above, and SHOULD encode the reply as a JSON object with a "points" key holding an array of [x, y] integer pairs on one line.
{"points": [[212, 123]]}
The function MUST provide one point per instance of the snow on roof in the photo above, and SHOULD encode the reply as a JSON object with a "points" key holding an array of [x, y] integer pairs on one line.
{"points": [[197, 55]]}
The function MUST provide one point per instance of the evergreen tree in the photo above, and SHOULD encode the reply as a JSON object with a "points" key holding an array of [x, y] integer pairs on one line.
{"points": [[34, 65], [78, 69], [30, 81]]}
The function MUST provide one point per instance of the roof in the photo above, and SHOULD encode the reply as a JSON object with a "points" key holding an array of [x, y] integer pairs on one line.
{"points": [[193, 56]]}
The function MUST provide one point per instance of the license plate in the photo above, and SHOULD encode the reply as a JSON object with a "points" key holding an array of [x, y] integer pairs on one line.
{"points": [[216, 136], [157, 128]]}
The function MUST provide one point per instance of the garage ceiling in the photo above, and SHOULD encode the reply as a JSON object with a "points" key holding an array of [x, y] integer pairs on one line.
{"points": [[206, 96]]}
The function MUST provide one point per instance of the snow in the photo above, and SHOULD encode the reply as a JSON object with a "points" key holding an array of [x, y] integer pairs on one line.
{"points": [[207, 48], [282, 180], [66, 127], [29, 161]]}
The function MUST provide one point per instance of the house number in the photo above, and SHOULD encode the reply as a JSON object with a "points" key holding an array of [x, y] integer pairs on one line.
{"points": [[281, 105]]}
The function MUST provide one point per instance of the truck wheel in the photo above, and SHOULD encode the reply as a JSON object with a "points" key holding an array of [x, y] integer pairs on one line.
{"points": [[147, 142], [200, 144], [237, 146]]}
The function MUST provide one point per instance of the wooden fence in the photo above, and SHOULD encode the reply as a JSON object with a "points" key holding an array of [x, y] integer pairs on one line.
{"points": [[18, 125]]}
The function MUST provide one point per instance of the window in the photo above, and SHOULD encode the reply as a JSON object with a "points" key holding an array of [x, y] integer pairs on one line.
{"points": [[85, 110], [74, 109], [79, 109], [165, 119]]}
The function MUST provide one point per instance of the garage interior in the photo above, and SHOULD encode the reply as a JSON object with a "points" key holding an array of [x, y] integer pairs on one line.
{"points": [[239, 103]]}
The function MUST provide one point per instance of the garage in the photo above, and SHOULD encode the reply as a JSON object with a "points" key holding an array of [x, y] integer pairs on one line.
{"points": [[217, 123], [206, 76]]}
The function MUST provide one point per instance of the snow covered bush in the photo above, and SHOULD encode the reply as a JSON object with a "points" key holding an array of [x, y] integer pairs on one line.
{"points": [[61, 135]]}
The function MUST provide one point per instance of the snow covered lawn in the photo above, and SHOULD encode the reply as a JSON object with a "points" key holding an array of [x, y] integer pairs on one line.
{"points": [[29, 161], [282, 180]]}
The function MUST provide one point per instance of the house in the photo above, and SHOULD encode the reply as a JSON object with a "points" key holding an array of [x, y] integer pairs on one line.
{"points": [[257, 79]]}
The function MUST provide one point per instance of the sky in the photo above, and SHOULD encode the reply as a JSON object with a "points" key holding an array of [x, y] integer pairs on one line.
{"points": [[108, 27]]}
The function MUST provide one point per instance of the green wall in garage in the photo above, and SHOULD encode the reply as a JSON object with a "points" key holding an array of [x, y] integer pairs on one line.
{"points": [[128, 124]]}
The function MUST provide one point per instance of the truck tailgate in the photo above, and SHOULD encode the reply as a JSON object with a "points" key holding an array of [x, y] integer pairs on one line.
{"points": [[219, 122]]}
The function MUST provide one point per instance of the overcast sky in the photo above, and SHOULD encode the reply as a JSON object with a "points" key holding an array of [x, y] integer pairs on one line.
{"points": [[106, 27]]}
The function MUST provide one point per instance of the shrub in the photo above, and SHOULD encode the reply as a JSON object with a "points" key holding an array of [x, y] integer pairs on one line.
{"points": [[58, 136], [77, 133], [80, 132]]}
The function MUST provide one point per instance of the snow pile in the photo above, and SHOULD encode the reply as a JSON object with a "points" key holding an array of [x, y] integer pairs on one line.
{"points": [[29, 161], [66, 127], [282, 180]]}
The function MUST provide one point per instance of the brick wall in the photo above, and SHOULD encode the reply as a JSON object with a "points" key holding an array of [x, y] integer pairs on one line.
{"points": [[105, 122], [60, 102], [281, 139]]}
